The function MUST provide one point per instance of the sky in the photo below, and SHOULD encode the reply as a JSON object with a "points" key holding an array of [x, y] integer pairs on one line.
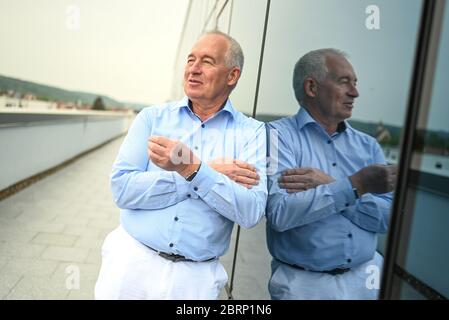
{"points": [[124, 49]]}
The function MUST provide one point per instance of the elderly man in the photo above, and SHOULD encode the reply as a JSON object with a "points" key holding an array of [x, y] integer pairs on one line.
{"points": [[185, 173], [330, 195]]}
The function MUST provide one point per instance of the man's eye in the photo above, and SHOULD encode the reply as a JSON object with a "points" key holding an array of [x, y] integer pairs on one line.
{"points": [[207, 62]]}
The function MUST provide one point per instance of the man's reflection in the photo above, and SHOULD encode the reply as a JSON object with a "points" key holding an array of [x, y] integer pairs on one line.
{"points": [[330, 195]]}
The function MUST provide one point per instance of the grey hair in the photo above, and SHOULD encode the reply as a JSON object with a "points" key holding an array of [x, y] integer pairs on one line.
{"points": [[234, 57], [312, 64]]}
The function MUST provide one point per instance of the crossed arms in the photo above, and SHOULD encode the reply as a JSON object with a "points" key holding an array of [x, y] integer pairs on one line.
{"points": [[135, 187]]}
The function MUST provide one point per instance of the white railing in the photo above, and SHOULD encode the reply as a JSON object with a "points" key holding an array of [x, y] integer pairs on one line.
{"points": [[34, 141]]}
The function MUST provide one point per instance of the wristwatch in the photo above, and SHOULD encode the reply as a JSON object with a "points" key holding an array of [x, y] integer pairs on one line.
{"points": [[356, 193], [193, 174]]}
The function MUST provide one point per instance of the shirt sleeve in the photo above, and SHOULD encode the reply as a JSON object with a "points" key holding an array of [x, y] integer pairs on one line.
{"points": [[372, 211], [290, 210], [244, 206], [133, 187]]}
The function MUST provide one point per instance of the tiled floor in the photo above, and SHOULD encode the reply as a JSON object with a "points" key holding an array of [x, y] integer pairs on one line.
{"points": [[51, 234]]}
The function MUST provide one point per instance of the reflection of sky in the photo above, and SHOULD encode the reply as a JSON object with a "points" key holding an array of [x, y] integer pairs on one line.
{"points": [[439, 105], [382, 58]]}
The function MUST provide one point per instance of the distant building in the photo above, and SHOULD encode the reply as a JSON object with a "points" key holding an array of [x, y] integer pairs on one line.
{"points": [[65, 105], [28, 103], [37, 104], [382, 133], [29, 96], [9, 102]]}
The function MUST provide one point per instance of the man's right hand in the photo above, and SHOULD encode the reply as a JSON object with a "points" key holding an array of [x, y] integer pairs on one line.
{"points": [[236, 170], [376, 178]]}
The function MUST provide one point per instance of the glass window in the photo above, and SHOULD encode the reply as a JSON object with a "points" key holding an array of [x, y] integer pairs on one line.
{"points": [[375, 49], [247, 27], [196, 16], [423, 252], [407, 291], [223, 17]]}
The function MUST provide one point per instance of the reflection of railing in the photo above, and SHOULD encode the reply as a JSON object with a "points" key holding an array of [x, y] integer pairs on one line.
{"points": [[425, 162], [429, 182]]}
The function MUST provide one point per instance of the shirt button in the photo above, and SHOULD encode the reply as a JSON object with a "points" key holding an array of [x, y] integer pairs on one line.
{"points": [[203, 125], [329, 141], [171, 245], [349, 235], [342, 211], [189, 195], [349, 260], [347, 204], [176, 218], [195, 188], [196, 147], [334, 164]]}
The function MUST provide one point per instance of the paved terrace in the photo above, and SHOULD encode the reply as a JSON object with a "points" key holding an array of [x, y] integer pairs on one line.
{"points": [[56, 227]]}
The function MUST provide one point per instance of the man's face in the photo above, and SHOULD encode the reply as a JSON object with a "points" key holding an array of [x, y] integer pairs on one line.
{"points": [[336, 94], [207, 80]]}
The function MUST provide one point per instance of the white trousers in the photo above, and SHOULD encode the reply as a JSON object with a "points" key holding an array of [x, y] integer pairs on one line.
{"points": [[130, 270], [360, 283]]}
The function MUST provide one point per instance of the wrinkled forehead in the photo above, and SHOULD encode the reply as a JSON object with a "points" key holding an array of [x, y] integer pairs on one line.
{"points": [[338, 66], [211, 44]]}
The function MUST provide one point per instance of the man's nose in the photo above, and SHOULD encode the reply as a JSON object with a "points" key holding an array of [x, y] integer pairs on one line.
{"points": [[353, 92], [195, 67]]}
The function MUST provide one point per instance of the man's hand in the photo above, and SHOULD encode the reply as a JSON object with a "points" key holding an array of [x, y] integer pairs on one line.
{"points": [[301, 179], [376, 178], [172, 155], [236, 170]]}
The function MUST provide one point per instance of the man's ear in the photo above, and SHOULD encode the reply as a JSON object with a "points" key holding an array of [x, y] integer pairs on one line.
{"points": [[310, 87], [233, 76]]}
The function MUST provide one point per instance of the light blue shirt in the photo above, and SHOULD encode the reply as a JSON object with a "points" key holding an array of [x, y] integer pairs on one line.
{"points": [[326, 227], [194, 219]]}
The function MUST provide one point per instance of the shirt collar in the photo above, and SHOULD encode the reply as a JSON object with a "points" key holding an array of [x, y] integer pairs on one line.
{"points": [[303, 118], [184, 103]]}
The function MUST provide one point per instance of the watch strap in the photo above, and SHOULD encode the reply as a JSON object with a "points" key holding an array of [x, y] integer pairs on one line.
{"points": [[193, 174], [356, 193]]}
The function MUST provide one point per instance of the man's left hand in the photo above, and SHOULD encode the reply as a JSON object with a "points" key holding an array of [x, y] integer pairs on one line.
{"points": [[301, 179], [239, 171]]}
